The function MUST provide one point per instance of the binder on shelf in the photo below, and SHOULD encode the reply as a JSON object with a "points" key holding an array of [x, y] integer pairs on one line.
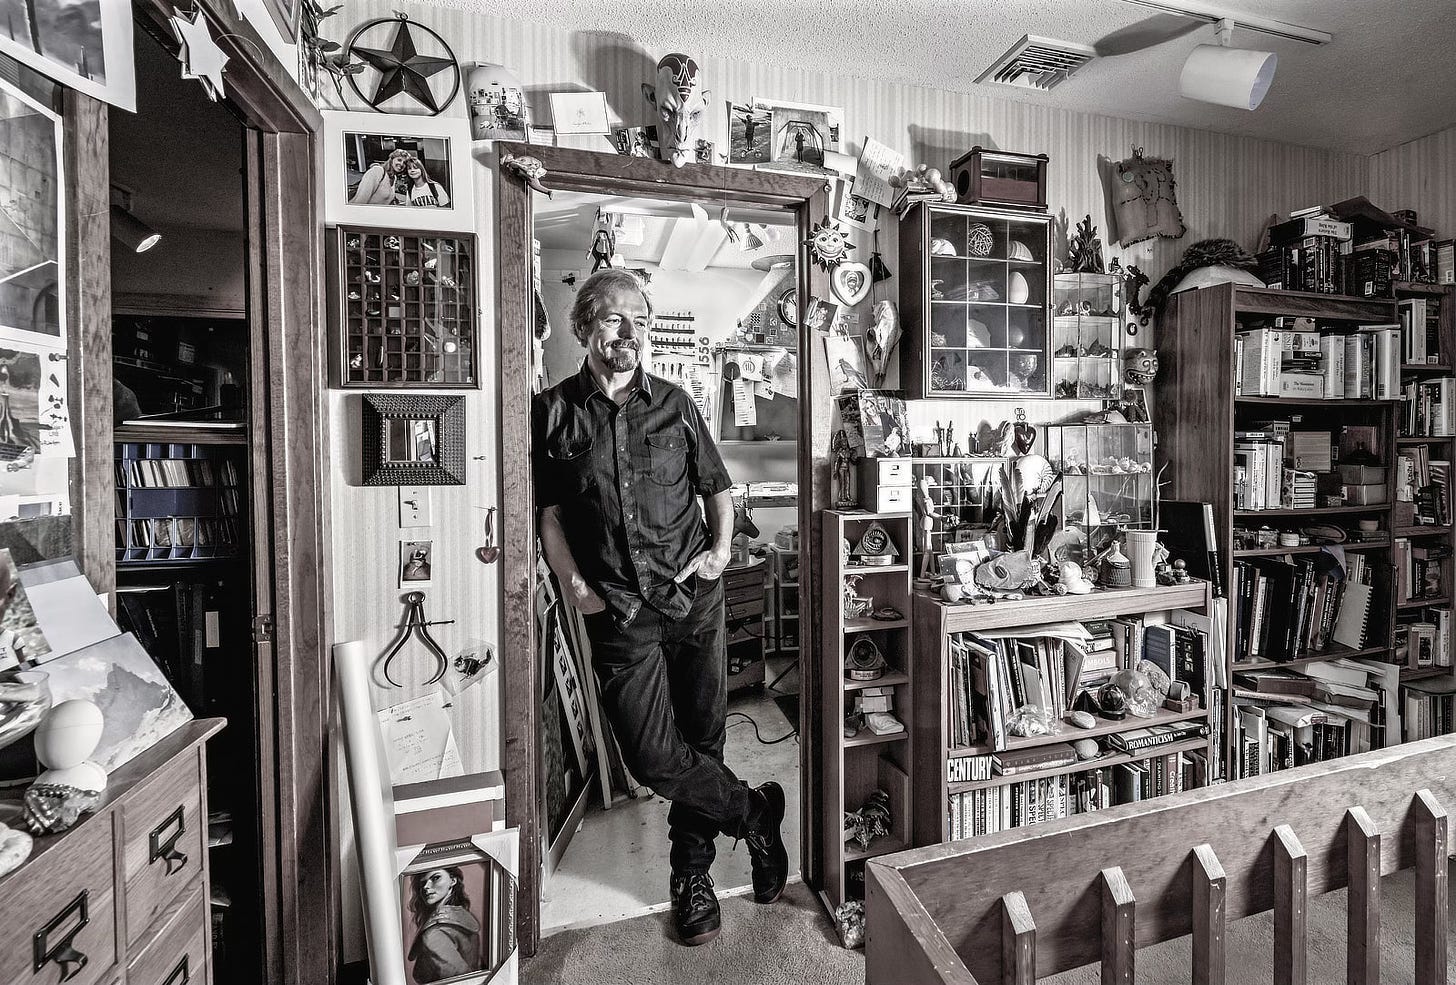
{"points": [[1354, 615]]}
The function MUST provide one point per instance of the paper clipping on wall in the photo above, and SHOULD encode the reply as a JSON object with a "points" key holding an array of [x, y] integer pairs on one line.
{"points": [[877, 162], [419, 740]]}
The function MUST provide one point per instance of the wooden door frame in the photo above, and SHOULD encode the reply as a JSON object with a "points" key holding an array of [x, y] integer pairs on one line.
{"points": [[300, 906], [807, 199]]}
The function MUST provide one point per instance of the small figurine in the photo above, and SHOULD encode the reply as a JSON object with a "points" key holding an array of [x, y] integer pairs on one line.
{"points": [[1180, 572], [925, 515], [528, 169], [1071, 578], [871, 821], [843, 483], [856, 606], [1084, 252]]}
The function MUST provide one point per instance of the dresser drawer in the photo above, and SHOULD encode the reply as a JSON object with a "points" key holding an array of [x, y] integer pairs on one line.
{"points": [[162, 842], [180, 953], [738, 611], [60, 914]]}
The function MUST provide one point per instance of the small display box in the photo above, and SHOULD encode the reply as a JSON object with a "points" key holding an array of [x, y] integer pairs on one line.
{"points": [[1107, 477], [988, 177], [1087, 336], [404, 309]]}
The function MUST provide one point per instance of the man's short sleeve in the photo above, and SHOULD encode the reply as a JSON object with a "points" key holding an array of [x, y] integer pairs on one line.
{"points": [[709, 474]]}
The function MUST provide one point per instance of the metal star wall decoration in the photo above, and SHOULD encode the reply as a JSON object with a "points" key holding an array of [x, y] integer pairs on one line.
{"points": [[402, 69], [201, 58]]}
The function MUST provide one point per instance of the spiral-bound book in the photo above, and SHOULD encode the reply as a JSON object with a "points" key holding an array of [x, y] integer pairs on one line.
{"points": [[1354, 614]]}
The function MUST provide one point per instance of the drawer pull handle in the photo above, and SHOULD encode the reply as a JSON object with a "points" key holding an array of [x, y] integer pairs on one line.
{"points": [[180, 974], [162, 842], [62, 952]]}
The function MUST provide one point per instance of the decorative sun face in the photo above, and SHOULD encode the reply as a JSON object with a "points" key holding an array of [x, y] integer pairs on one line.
{"points": [[828, 244]]}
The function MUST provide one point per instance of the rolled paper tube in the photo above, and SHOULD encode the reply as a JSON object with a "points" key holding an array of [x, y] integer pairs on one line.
{"points": [[1140, 544], [371, 798]]}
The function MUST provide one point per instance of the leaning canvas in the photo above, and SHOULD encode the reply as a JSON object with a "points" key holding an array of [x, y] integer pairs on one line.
{"points": [[138, 705]]}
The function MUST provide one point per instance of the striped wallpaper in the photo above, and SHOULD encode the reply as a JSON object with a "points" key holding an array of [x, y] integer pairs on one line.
{"points": [[1420, 175], [1227, 186]]}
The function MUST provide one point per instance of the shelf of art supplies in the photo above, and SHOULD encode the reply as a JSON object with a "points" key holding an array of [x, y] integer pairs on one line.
{"points": [[855, 767], [1081, 765], [1162, 716]]}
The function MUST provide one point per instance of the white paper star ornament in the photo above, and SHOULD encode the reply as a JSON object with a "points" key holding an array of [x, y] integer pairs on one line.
{"points": [[201, 58]]}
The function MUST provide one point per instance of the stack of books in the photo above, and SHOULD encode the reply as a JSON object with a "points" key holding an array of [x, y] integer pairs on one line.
{"points": [[1305, 253], [1286, 609], [1428, 408], [1420, 323]]}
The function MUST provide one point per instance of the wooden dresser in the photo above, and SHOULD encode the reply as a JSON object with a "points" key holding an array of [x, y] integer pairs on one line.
{"points": [[121, 897]]}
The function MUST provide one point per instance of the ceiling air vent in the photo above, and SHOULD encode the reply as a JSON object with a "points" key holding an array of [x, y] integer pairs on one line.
{"points": [[1037, 63]]}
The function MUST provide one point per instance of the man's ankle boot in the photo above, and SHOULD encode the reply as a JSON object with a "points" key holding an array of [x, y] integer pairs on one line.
{"points": [[766, 848], [695, 911]]}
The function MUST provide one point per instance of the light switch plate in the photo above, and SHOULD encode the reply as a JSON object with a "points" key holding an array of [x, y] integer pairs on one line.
{"points": [[414, 506]]}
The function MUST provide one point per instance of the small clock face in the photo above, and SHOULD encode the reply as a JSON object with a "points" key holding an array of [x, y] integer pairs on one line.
{"points": [[789, 307]]}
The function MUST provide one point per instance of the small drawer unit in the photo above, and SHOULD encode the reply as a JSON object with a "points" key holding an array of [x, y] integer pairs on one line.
{"points": [[163, 844], [885, 485], [180, 953]]}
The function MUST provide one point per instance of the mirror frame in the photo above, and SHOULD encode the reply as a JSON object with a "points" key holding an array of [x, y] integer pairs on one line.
{"points": [[448, 415], [806, 200]]}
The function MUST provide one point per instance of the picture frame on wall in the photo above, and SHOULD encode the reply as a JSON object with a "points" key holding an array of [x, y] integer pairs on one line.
{"points": [[384, 169], [33, 242], [414, 440], [84, 45]]}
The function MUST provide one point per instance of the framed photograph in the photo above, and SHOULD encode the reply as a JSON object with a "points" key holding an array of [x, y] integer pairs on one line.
{"points": [[852, 210], [458, 911], [750, 134], [416, 561], [636, 141], [579, 112], [414, 440], [85, 45], [388, 170], [802, 135], [497, 102], [33, 239]]}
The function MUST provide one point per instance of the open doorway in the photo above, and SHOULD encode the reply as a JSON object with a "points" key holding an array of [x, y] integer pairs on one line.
{"points": [[724, 329]]}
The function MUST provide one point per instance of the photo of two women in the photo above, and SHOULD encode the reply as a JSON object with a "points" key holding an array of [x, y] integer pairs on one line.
{"points": [[393, 170]]}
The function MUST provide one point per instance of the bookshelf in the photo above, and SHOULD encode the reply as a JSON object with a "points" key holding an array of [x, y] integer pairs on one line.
{"points": [[937, 626], [784, 600], [177, 501], [1200, 412], [855, 766]]}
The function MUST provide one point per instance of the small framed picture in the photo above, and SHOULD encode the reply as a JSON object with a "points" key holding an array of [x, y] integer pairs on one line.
{"points": [[416, 561], [457, 911], [579, 112], [852, 210], [401, 171], [636, 141]]}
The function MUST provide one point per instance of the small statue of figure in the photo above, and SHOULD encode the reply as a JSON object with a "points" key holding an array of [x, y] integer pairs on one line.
{"points": [[1084, 252], [925, 516], [843, 481]]}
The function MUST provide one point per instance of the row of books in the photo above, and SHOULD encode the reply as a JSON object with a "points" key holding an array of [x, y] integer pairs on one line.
{"points": [[1422, 570], [1428, 408], [1288, 607], [177, 531], [1285, 736], [1276, 362], [1015, 805], [173, 473], [1420, 325], [1423, 482], [1425, 642], [1430, 708]]}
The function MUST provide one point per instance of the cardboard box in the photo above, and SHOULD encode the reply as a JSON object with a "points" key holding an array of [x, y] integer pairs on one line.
{"points": [[449, 808], [1306, 386], [1361, 475], [1367, 494]]}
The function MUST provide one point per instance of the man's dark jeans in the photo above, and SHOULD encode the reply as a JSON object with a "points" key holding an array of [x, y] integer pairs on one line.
{"points": [[664, 688]]}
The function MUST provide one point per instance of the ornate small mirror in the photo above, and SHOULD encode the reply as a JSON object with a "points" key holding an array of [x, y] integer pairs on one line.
{"points": [[414, 440]]}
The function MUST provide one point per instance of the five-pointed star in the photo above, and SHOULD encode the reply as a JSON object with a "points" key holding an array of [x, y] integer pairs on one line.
{"points": [[404, 70], [201, 58]]}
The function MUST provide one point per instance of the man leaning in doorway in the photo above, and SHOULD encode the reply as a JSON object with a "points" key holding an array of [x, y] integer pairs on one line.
{"points": [[621, 457]]}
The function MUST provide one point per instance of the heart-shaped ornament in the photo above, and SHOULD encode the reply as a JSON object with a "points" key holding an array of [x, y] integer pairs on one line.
{"points": [[851, 281]]}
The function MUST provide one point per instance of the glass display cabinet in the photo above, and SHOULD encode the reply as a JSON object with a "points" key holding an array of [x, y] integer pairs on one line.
{"points": [[1087, 337], [1107, 477], [975, 289]]}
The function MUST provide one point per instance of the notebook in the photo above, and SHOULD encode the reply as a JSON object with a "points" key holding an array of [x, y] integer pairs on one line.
{"points": [[1354, 614]]}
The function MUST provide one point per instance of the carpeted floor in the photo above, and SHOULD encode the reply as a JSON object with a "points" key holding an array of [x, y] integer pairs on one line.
{"points": [[792, 943]]}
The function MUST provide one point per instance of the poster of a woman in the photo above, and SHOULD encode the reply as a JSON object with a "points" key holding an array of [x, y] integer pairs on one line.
{"points": [[446, 944]]}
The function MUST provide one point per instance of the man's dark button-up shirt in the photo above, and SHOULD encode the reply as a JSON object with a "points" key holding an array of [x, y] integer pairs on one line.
{"points": [[627, 479]]}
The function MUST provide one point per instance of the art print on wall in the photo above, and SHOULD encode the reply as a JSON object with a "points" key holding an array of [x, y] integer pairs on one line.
{"points": [[32, 220], [85, 45], [802, 135], [497, 103], [404, 171], [750, 134]]}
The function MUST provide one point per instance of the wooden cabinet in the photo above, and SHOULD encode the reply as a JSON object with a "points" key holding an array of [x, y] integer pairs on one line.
{"points": [[859, 760], [744, 587], [975, 287], [122, 896]]}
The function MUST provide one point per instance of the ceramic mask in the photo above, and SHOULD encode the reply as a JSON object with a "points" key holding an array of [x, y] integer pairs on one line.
{"points": [[828, 245], [1140, 366], [681, 104], [1008, 572]]}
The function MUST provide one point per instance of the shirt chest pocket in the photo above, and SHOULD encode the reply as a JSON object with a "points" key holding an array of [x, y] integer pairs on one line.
{"points": [[668, 453], [571, 456]]}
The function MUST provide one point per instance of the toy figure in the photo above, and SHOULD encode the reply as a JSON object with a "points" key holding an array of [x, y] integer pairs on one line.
{"points": [[843, 483], [925, 516], [604, 243], [680, 103]]}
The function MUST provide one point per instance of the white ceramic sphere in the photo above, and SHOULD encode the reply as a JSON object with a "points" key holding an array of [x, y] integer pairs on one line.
{"points": [[69, 734]]}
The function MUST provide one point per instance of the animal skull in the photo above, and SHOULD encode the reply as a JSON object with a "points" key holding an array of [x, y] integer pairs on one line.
{"points": [[680, 103]]}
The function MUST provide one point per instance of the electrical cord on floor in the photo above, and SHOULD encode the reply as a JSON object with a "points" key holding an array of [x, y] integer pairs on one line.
{"points": [[756, 734]]}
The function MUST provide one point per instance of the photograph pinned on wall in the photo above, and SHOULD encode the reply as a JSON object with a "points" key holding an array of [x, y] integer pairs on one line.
{"points": [[33, 227], [819, 315], [416, 563], [877, 162], [497, 101], [578, 113], [750, 134], [636, 141], [457, 911], [846, 363], [386, 170], [852, 210], [85, 45], [803, 134]]}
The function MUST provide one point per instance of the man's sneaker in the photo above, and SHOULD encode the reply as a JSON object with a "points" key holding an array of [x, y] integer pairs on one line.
{"points": [[766, 845], [695, 908]]}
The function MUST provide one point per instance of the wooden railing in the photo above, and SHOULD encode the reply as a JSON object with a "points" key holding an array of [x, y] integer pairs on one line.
{"points": [[1008, 907]]}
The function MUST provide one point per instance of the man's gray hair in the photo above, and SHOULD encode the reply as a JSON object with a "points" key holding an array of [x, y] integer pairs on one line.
{"points": [[592, 295]]}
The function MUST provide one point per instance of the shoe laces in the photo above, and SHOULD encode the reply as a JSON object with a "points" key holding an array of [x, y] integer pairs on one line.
{"points": [[696, 892]]}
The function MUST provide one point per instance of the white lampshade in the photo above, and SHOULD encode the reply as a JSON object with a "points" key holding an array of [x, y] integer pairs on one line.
{"points": [[1233, 77]]}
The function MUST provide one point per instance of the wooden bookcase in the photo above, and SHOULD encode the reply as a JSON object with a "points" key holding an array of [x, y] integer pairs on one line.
{"points": [[855, 767], [1198, 414], [934, 624], [783, 632]]}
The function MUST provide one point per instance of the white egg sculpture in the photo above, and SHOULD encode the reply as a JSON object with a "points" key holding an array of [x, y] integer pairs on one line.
{"points": [[1018, 291], [65, 741]]}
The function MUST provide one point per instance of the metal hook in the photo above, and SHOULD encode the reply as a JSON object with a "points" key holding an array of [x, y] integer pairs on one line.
{"points": [[415, 622]]}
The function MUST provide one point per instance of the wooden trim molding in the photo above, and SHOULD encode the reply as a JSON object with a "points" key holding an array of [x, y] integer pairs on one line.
{"points": [[807, 199]]}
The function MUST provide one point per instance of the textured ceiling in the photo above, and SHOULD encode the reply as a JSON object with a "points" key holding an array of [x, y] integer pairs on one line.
{"points": [[1388, 76]]}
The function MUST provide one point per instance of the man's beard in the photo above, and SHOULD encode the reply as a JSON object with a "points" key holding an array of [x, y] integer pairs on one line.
{"points": [[621, 357]]}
